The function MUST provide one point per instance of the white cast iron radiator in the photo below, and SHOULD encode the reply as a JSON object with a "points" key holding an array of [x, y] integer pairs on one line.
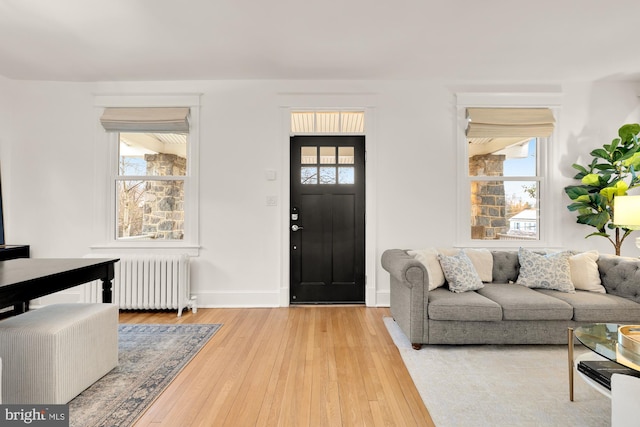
{"points": [[147, 282]]}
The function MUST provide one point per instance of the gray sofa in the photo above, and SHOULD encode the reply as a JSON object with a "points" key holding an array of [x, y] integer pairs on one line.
{"points": [[503, 312]]}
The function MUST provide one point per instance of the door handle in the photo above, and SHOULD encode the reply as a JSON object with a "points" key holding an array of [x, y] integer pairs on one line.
{"points": [[295, 227]]}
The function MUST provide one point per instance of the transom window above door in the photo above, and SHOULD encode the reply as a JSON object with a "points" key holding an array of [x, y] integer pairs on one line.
{"points": [[327, 164], [327, 122]]}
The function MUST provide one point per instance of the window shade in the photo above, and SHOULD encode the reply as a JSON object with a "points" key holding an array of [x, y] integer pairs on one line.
{"points": [[174, 120], [509, 122]]}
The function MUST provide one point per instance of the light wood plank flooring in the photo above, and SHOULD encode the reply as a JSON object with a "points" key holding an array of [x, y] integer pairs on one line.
{"points": [[300, 366]]}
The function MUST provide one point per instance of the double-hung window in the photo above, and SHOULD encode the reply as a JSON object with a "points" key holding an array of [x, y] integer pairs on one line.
{"points": [[503, 174], [152, 185]]}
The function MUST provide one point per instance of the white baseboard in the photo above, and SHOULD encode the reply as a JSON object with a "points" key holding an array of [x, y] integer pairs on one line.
{"points": [[261, 299], [238, 299], [212, 299], [383, 299]]}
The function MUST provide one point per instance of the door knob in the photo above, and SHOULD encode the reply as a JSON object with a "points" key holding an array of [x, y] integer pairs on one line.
{"points": [[295, 227]]}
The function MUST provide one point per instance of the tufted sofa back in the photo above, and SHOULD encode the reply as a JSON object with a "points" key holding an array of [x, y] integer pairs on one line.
{"points": [[620, 276], [505, 266]]}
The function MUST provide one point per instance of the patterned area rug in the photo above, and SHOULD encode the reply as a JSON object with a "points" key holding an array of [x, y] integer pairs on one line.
{"points": [[150, 357], [490, 385]]}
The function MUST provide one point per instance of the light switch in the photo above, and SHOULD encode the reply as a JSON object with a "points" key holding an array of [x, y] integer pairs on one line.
{"points": [[270, 174], [272, 200]]}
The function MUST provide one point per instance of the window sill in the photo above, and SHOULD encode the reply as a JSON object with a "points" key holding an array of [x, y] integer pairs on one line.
{"points": [[148, 247], [506, 244]]}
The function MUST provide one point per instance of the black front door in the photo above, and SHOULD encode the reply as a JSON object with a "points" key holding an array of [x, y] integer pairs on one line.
{"points": [[327, 219]]}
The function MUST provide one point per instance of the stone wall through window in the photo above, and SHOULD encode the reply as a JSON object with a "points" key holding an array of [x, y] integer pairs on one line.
{"points": [[488, 205], [164, 200]]}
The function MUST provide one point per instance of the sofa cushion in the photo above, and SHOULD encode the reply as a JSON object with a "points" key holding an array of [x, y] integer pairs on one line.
{"points": [[521, 303], [505, 266], [545, 271], [620, 276], [466, 306], [597, 307]]}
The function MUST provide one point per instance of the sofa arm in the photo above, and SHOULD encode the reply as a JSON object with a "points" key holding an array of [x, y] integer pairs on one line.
{"points": [[409, 292], [405, 268]]}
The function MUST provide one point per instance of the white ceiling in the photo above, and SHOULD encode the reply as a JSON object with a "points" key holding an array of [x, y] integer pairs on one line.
{"points": [[489, 40]]}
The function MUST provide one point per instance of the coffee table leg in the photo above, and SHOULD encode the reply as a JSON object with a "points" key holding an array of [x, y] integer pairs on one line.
{"points": [[570, 352]]}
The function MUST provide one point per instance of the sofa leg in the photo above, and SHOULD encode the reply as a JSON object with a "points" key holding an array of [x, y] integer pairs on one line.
{"points": [[416, 346]]}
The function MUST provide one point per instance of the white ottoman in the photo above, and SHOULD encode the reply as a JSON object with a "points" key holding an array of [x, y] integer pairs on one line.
{"points": [[50, 355]]}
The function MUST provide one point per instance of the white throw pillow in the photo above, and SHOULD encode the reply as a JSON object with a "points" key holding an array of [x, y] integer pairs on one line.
{"points": [[429, 258], [482, 261], [545, 271], [448, 251], [584, 272], [460, 273]]}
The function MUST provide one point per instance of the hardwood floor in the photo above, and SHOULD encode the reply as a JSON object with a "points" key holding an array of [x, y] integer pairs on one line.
{"points": [[301, 366]]}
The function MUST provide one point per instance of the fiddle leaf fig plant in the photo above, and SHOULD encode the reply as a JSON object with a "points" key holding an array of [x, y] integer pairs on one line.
{"points": [[611, 173]]}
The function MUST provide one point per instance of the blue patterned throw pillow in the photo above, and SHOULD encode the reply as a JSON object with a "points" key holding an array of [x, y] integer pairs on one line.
{"points": [[459, 272], [552, 271]]}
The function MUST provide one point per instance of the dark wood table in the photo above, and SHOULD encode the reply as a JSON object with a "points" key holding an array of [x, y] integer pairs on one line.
{"points": [[13, 252], [22, 280]]}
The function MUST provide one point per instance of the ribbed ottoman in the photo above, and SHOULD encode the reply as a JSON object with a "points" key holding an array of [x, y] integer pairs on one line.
{"points": [[50, 355]]}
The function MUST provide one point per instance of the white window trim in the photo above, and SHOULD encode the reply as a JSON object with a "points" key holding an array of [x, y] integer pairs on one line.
{"points": [[107, 148], [544, 161]]}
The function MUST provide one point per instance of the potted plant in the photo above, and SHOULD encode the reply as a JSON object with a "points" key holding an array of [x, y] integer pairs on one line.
{"points": [[611, 173]]}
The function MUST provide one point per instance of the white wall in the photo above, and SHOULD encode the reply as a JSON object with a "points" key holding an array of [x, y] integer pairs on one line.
{"points": [[591, 116], [50, 188], [7, 94]]}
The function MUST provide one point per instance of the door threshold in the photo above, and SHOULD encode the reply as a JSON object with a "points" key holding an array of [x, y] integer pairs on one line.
{"points": [[328, 305]]}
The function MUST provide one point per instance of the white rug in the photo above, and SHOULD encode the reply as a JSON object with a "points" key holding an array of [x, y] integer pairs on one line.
{"points": [[489, 385]]}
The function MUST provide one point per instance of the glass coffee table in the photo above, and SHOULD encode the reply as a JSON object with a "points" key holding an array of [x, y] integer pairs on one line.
{"points": [[602, 340]]}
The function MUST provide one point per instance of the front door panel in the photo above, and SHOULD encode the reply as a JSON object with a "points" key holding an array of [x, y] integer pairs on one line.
{"points": [[327, 237]]}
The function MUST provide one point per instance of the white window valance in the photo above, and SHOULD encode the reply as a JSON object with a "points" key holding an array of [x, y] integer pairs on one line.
{"points": [[154, 119], [509, 122]]}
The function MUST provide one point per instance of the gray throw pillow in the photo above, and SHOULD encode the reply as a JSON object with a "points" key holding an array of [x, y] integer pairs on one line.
{"points": [[551, 271]]}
